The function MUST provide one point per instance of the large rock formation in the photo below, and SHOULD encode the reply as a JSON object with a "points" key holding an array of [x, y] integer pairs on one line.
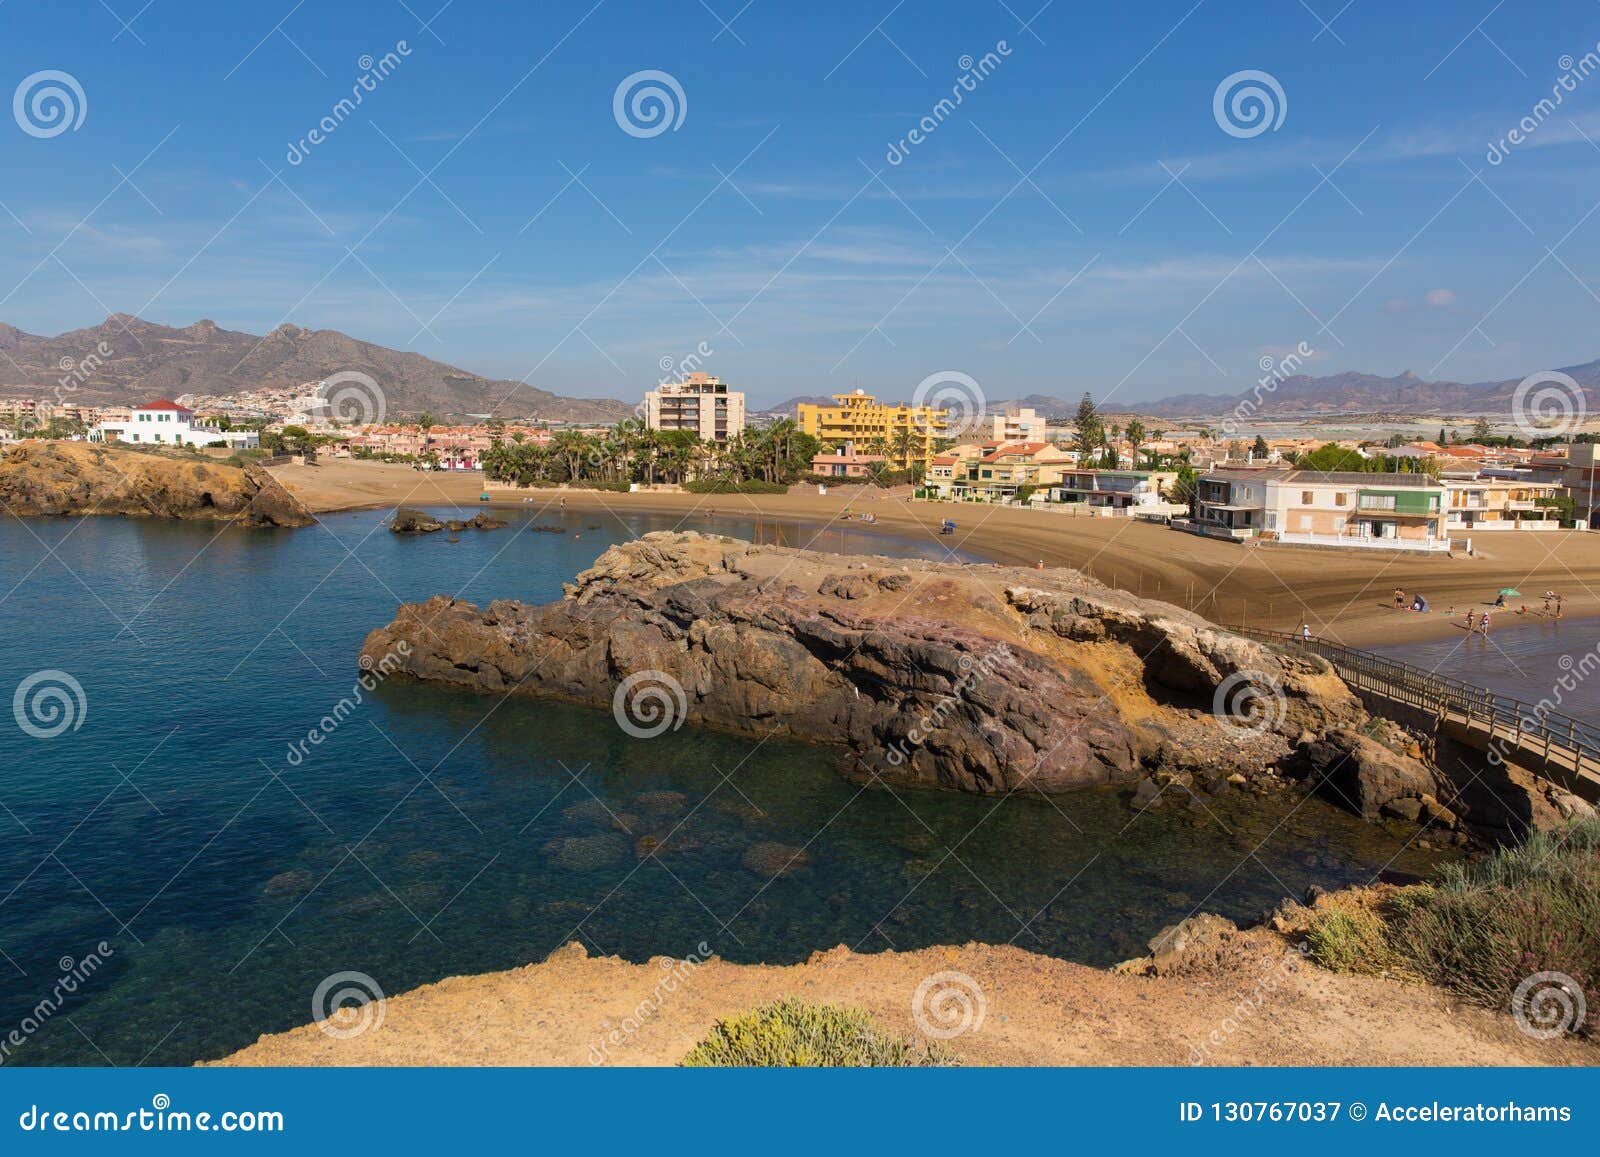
{"points": [[980, 678], [80, 478]]}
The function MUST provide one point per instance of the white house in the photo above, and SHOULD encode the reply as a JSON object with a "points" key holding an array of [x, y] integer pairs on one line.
{"points": [[169, 424]]}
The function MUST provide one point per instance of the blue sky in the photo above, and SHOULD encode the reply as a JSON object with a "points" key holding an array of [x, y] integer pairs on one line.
{"points": [[1080, 222]]}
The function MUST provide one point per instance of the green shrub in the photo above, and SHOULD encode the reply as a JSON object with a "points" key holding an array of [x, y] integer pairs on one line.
{"points": [[789, 1033], [1533, 908], [1485, 927], [1351, 940]]}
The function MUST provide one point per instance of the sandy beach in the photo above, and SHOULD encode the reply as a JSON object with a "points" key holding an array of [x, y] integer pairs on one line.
{"points": [[1346, 596]]}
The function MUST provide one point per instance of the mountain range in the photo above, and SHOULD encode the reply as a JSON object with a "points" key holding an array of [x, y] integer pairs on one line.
{"points": [[1346, 393], [126, 360], [142, 361]]}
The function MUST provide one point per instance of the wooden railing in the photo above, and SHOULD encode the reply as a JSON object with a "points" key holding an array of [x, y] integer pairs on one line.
{"points": [[1512, 725]]}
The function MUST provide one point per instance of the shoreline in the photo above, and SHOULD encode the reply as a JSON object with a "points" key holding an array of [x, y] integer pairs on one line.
{"points": [[1345, 596], [573, 1009]]}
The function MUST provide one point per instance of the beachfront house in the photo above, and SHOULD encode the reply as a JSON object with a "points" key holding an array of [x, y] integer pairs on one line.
{"points": [[1116, 491], [995, 472], [1323, 508], [165, 423], [846, 462], [1478, 502]]}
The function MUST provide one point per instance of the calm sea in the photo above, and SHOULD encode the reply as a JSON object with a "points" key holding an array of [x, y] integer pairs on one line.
{"points": [[435, 833], [1522, 657]]}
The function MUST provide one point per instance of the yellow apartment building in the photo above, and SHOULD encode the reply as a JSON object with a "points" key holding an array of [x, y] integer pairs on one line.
{"points": [[906, 434]]}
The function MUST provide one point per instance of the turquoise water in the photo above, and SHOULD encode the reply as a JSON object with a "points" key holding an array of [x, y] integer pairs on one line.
{"points": [[435, 833]]}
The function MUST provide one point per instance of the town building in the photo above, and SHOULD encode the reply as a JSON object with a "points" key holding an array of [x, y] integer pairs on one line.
{"points": [[906, 434], [1581, 477], [1117, 491], [1322, 508], [1478, 502], [847, 462], [1022, 425], [165, 423], [995, 471], [700, 403]]}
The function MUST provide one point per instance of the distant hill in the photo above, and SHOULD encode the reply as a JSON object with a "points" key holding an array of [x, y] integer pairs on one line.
{"points": [[1353, 392], [788, 405], [149, 361]]}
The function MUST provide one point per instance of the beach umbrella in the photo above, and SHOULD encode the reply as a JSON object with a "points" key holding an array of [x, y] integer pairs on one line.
{"points": [[1509, 593]]}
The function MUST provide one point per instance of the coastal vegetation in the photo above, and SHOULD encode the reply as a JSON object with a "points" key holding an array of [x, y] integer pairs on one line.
{"points": [[1482, 929], [792, 1034], [629, 452]]}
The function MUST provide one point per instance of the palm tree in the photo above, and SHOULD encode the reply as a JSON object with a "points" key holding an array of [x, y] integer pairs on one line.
{"points": [[1135, 433], [908, 446], [571, 447]]}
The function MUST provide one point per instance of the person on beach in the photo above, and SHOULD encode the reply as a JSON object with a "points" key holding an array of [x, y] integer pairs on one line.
{"points": [[1399, 597], [1305, 632], [1483, 625], [1471, 618]]}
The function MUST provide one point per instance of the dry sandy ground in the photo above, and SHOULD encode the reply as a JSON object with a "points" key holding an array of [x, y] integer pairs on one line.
{"points": [[576, 1010], [1344, 595]]}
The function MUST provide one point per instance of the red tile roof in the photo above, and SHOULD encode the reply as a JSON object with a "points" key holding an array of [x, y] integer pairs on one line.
{"points": [[163, 404]]}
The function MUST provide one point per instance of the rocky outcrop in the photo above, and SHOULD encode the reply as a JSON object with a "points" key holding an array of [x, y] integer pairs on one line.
{"points": [[978, 678], [1372, 779], [409, 521], [79, 478]]}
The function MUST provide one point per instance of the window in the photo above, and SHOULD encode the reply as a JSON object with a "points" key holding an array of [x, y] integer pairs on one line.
{"points": [[1305, 522], [1340, 499], [1377, 502], [1307, 498]]}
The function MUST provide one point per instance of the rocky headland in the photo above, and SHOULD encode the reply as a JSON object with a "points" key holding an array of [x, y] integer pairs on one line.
{"points": [[982, 679], [79, 478]]}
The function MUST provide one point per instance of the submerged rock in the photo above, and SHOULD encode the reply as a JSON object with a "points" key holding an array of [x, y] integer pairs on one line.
{"points": [[586, 853], [771, 860]]}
